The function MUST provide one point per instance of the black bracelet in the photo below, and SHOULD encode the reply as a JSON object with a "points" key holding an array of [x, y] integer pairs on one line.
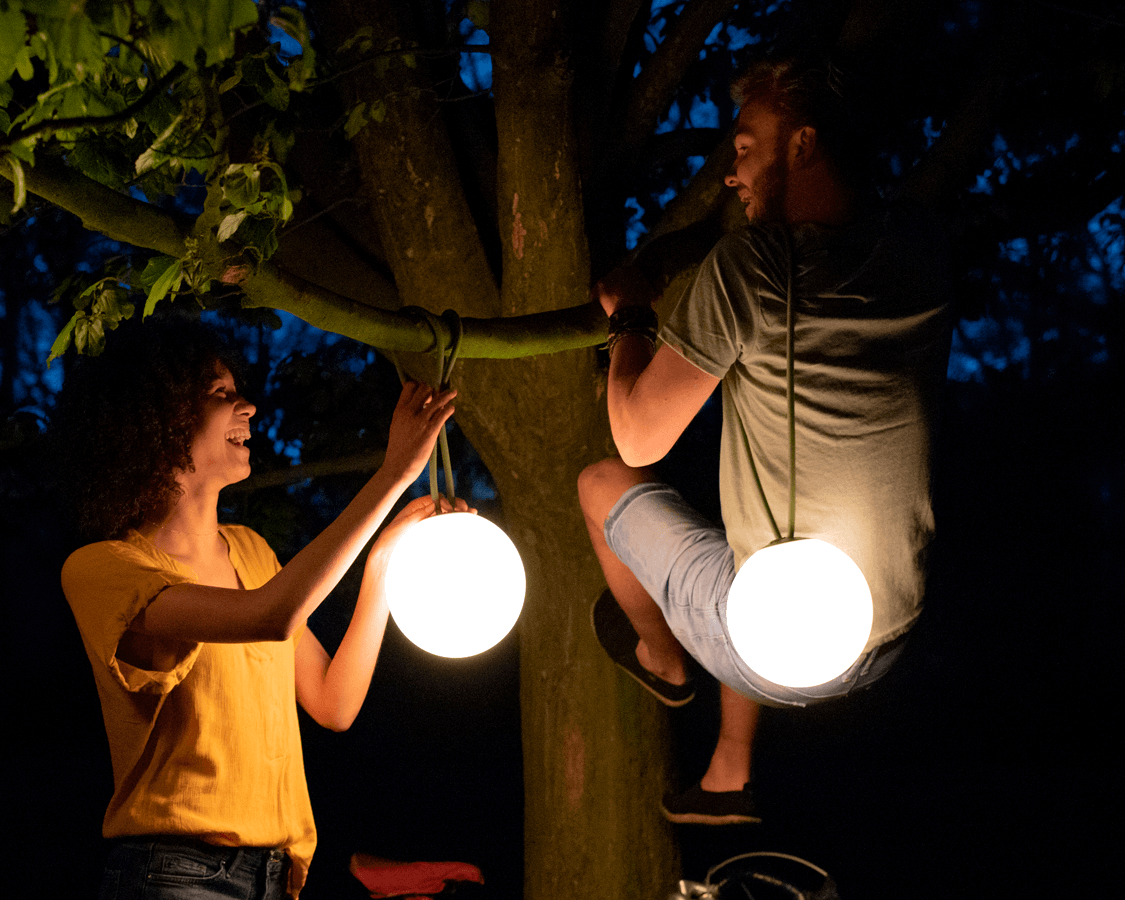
{"points": [[639, 320]]}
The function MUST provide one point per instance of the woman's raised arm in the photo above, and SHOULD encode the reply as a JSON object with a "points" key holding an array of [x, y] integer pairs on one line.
{"points": [[275, 610]]}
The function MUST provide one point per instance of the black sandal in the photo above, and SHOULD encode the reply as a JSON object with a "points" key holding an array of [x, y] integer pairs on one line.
{"points": [[619, 640], [696, 806]]}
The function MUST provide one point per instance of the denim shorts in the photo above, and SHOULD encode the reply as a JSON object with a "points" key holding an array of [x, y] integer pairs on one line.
{"points": [[174, 868], [687, 567]]}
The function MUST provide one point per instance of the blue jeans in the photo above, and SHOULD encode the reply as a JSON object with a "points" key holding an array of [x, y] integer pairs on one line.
{"points": [[171, 868], [687, 567]]}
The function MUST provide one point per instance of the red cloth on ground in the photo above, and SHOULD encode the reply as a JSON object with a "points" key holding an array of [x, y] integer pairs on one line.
{"points": [[387, 878]]}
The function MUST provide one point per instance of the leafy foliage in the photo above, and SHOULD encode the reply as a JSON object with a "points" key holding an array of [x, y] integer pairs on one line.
{"points": [[140, 97]]}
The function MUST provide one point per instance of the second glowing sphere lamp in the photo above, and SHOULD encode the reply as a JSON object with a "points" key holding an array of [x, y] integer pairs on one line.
{"points": [[799, 611], [455, 582]]}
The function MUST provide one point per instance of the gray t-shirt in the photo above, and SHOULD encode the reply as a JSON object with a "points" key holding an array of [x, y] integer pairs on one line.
{"points": [[872, 343]]}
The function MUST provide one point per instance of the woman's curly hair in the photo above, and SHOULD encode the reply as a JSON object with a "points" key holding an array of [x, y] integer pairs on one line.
{"points": [[126, 420]]}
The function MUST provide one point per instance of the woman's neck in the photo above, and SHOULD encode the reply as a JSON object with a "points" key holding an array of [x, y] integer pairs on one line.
{"points": [[190, 528]]}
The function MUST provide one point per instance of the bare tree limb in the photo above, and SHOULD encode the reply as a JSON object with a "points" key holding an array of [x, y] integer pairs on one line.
{"points": [[344, 465], [935, 181], [654, 88]]}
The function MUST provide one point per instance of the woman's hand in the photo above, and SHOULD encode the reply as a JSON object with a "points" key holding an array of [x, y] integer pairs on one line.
{"points": [[414, 512], [417, 419], [332, 689]]}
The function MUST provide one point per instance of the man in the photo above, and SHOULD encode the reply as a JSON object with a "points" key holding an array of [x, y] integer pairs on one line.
{"points": [[872, 340]]}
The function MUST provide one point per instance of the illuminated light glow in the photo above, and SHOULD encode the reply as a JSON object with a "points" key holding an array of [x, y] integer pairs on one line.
{"points": [[799, 612], [455, 584]]}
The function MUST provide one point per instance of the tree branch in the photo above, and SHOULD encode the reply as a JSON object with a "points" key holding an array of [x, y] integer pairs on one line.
{"points": [[654, 88], [104, 210], [131, 221], [344, 465], [493, 338]]}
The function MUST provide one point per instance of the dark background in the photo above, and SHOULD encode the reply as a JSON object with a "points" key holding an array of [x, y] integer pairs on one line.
{"points": [[982, 766]]}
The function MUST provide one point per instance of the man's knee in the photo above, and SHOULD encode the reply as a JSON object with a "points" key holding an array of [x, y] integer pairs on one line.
{"points": [[601, 484]]}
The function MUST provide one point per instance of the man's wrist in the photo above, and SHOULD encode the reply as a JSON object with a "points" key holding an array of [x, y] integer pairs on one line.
{"points": [[632, 320]]}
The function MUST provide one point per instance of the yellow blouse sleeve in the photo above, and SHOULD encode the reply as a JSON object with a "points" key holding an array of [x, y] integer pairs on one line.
{"points": [[107, 585]]}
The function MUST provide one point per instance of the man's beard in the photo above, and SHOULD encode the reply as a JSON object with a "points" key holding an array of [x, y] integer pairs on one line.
{"points": [[767, 198]]}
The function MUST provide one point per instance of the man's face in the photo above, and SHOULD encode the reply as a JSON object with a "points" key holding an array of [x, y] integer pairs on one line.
{"points": [[760, 165]]}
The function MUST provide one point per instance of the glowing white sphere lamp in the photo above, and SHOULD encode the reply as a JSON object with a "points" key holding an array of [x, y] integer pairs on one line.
{"points": [[455, 584], [799, 612]]}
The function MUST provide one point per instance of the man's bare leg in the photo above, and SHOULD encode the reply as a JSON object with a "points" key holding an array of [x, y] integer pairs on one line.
{"points": [[600, 486], [730, 763]]}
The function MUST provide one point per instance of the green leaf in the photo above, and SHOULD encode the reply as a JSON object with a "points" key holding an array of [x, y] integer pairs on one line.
{"points": [[361, 39], [23, 151], [241, 185], [356, 120], [84, 299], [112, 305], [19, 185], [62, 342], [169, 280], [243, 14], [148, 160], [23, 64], [230, 83], [89, 336], [13, 36], [230, 224], [292, 21]]}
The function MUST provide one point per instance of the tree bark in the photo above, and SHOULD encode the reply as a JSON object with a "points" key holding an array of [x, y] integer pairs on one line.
{"points": [[595, 749]]}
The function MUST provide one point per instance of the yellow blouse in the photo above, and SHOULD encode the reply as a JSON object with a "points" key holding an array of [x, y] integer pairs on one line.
{"points": [[203, 737]]}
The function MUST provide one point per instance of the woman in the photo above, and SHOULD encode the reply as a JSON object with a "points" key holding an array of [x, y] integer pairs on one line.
{"points": [[196, 634]]}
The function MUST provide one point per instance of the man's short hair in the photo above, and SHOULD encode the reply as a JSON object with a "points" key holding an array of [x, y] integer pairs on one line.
{"points": [[815, 91]]}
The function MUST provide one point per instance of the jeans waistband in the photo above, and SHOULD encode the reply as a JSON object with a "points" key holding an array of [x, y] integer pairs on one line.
{"points": [[252, 854]]}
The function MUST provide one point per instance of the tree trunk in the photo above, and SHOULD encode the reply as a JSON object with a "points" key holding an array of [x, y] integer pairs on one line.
{"points": [[596, 749]]}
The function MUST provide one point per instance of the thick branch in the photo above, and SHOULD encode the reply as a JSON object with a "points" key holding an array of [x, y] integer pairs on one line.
{"points": [[122, 218], [106, 211], [600, 78], [545, 252], [496, 338], [408, 167]]}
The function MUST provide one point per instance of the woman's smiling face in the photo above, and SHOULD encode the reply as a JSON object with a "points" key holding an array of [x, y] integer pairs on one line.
{"points": [[219, 449]]}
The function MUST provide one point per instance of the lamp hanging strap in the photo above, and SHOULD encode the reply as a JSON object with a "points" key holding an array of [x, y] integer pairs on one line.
{"points": [[444, 369], [457, 331], [791, 329], [790, 342]]}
